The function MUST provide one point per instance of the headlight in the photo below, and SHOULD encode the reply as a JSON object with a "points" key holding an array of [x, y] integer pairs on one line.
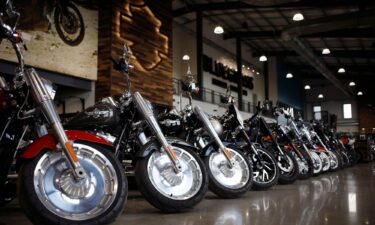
{"points": [[49, 87], [217, 126]]}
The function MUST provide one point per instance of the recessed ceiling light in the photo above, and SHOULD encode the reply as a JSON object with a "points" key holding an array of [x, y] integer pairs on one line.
{"points": [[218, 30], [307, 87], [360, 93], [298, 17], [320, 96], [248, 68], [289, 75], [341, 70], [326, 51], [186, 57], [352, 83], [257, 73], [263, 58], [253, 71], [243, 66]]}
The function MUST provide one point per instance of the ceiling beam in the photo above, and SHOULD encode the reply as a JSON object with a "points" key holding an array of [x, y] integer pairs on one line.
{"points": [[334, 53], [230, 5]]}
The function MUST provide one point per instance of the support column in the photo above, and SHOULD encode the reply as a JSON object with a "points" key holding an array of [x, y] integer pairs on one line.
{"points": [[266, 81], [239, 71], [199, 39]]}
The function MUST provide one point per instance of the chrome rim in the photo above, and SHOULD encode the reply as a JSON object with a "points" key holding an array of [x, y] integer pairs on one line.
{"points": [[176, 186], [302, 164], [334, 161], [266, 173], [286, 166], [325, 161], [233, 178], [67, 198], [317, 162]]}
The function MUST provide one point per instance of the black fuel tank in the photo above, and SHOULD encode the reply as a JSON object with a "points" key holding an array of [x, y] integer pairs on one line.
{"points": [[99, 116]]}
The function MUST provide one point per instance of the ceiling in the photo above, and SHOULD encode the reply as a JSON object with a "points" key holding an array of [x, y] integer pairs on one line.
{"points": [[346, 27]]}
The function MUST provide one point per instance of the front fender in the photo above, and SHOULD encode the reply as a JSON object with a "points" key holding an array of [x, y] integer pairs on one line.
{"points": [[49, 142]]}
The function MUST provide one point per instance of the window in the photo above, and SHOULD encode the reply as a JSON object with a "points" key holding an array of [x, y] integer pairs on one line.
{"points": [[347, 111], [317, 112]]}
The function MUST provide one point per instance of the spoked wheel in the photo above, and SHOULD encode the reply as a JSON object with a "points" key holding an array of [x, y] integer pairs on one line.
{"points": [[288, 168], [163, 187], [305, 163], [334, 161], [50, 195], [317, 162], [266, 174], [228, 181], [325, 161], [69, 24]]}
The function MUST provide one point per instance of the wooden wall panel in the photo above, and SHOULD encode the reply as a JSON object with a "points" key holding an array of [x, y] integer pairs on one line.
{"points": [[146, 26]]}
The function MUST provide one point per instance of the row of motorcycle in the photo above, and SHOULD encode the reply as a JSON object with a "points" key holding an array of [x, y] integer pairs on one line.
{"points": [[74, 173]]}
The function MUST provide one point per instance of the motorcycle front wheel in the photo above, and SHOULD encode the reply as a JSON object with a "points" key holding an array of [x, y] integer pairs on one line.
{"points": [[325, 161], [289, 169], [226, 181], [265, 170], [49, 194], [305, 163], [317, 162], [165, 189], [69, 24]]}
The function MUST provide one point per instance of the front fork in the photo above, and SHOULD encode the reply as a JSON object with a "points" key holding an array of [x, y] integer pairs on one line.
{"points": [[152, 122], [41, 96], [211, 131], [253, 148]]}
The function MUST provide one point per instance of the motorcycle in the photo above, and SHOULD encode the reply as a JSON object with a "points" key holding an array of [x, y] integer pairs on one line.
{"points": [[64, 176], [263, 134], [304, 160], [298, 137], [264, 165], [168, 172], [229, 170]]}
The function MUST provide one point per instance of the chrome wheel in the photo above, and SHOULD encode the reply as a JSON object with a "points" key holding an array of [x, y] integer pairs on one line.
{"points": [[75, 200], [334, 161], [302, 164], [264, 173], [317, 162], [234, 177], [285, 165], [177, 186], [325, 161]]}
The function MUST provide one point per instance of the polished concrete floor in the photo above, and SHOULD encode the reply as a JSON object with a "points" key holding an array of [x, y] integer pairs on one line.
{"points": [[343, 197]]}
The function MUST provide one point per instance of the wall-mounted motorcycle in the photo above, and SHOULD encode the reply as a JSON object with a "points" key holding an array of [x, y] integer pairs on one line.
{"points": [[261, 133], [168, 172], [229, 170], [264, 165], [64, 177]]}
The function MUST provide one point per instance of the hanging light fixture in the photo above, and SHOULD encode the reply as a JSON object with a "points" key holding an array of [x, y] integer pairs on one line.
{"points": [[219, 30], [352, 83], [341, 70], [298, 17], [307, 87], [289, 75], [326, 51], [360, 93], [186, 57], [320, 96], [263, 58]]}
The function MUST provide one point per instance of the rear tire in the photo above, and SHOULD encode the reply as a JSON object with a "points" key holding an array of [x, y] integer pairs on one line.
{"points": [[51, 201]]}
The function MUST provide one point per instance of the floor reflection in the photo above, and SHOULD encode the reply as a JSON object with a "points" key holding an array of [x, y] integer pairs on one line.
{"points": [[343, 197]]}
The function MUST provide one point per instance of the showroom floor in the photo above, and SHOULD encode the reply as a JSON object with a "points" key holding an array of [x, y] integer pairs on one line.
{"points": [[344, 197]]}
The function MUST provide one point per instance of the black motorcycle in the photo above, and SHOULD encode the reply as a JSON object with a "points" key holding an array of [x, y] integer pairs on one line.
{"points": [[64, 176], [264, 165], [229, 170], [168, 172]]}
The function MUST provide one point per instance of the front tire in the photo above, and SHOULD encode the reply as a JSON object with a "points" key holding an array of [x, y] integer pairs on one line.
{"points": [[317, 161], [306, 165], [228, 182], [49, 195], [288, 170], [163, 188]]}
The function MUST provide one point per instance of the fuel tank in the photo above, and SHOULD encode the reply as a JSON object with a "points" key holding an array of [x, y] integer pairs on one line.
{"points": [[171, 123], [101, 116]]}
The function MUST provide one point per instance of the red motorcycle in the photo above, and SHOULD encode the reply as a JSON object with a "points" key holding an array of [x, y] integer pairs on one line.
{"points": [[64, 176]]}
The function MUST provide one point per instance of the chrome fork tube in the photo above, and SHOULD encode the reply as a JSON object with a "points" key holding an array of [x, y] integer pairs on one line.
{"points": [[152, 122], [211, 131], [45, 102]]}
